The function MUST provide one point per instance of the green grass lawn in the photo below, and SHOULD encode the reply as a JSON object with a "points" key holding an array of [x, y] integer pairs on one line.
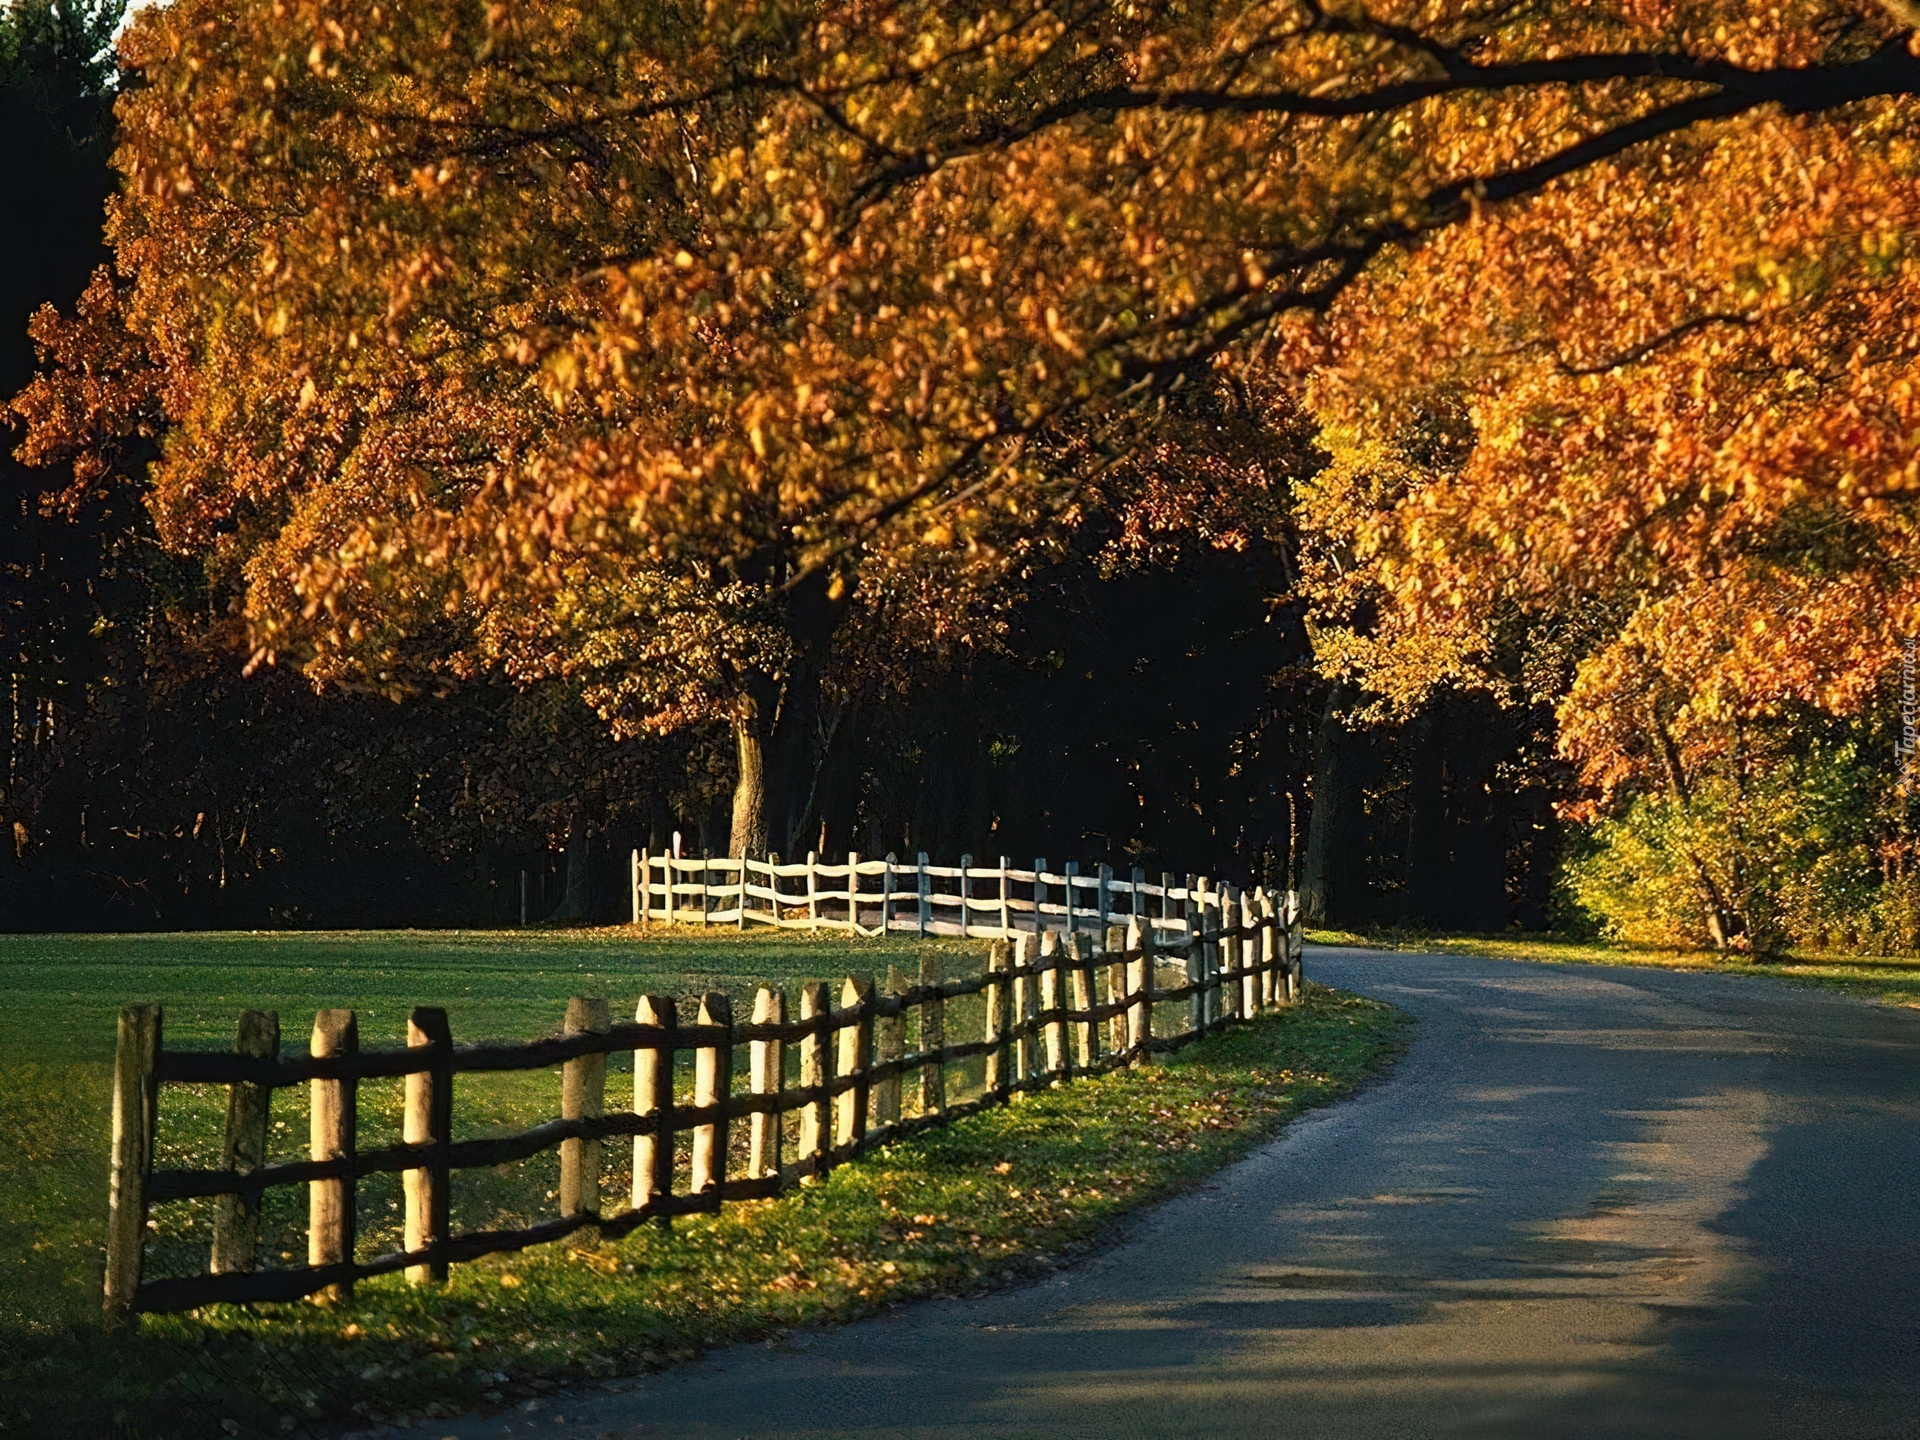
{"points": [[1001, 1192], [1893, 979]]}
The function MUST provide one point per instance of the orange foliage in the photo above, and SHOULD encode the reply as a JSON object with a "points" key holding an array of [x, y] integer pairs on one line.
{"points": [[606, 340]]}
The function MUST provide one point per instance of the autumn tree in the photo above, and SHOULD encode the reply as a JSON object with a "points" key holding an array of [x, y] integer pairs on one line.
{"points": [[666, 347], [1684, 381]]}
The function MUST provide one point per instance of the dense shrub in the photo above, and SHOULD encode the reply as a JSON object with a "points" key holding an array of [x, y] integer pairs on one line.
{"points": [[1808, 850]]}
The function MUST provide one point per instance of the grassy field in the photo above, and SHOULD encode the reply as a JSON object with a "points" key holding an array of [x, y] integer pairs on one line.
{"points": [[997, 1194], [1893, 979]]}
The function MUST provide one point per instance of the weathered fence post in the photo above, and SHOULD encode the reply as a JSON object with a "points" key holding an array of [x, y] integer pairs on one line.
{"points": [[1263, 901], [816, 1007], [1249, 955], [429, 1121], [639, 915], [1085, 997], [767, 1075], [933, 1038], [1296, 948], [1024, 948], [236, 1218], [583, 1096], [1116, 966], [966, 891], [1137, 940], [1166, 899], [886, 894], [333, 1113], [1039, 893], [813, 890], [706, 905], [1229, 955], [653, 1097], [925, 884], [135, 1101], [1006, 899], [889, 1045], [1204, 945], [856, 1062], [853, 890], [995, 1029], [1059, 1060], [1196, 974], [1103, 897], [712, 1083], [1073, 869]]}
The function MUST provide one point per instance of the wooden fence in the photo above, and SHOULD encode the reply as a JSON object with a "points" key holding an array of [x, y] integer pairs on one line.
{"points": [[1046, 1023], [872, 897]]}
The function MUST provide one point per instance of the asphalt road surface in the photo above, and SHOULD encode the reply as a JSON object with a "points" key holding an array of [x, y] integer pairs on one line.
{"points": [[1589, 1202]]}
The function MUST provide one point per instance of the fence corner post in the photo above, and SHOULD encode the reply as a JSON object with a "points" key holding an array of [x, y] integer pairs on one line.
{"points": [[136, 1091]]}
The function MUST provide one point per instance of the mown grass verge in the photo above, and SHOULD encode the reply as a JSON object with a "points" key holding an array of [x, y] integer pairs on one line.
{"points": [[1001, 1195], [1893, 979]]}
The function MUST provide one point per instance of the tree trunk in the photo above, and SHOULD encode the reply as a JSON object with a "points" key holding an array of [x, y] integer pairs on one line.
{"points": [[785, 740], [576, 901], [1333, 870], [749, 835]]}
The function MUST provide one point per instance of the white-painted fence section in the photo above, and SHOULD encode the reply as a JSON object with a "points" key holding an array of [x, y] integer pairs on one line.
{"points": [[871, 897]]}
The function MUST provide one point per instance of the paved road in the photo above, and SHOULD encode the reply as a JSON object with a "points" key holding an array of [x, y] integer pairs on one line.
{"points": [[1589, 1202]]}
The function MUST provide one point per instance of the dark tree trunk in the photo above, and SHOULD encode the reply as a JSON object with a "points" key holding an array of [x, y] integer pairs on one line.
{"points": [[1477, 890], [1429, 855], [787, 731], [577, 899], [1333, 870]]}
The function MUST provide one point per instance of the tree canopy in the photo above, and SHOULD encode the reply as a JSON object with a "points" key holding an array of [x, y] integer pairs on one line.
{"points": [[707, 354]]}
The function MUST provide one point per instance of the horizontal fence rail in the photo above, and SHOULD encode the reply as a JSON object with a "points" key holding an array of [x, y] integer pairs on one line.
{"points": [[873, 897], [1059, 1004]]}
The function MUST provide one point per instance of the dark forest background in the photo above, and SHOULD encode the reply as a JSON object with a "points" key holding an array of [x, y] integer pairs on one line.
{"points": [[1167, 717]]}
